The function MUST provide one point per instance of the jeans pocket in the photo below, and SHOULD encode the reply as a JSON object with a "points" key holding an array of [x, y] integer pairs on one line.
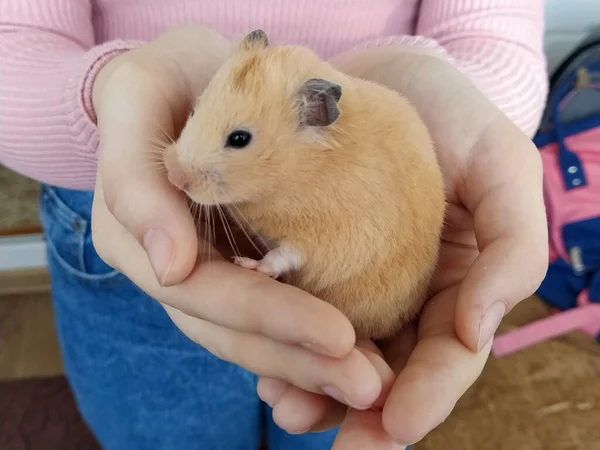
{"points": [[65, 217]]}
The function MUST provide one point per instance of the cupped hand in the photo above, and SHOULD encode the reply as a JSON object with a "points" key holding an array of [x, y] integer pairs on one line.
{"points": [[142, 226], [494, 254]]}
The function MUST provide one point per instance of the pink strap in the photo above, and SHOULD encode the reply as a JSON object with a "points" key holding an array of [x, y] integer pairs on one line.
{"points": [[583, 298], [579, 318], [593, 327]]}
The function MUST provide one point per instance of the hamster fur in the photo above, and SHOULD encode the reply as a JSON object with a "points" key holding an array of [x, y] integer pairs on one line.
{"points": [[339, 175]]}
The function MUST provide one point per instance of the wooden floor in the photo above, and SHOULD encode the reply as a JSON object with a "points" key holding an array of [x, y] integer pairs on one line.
{"points": [[18, 204], [28, 343], [545, 398]]}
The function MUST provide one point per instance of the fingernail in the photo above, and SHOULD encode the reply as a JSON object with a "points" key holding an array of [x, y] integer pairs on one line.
{"points": [[270, 391], [336, 394], [489, 323], [304, 431], [270, 398], [159, 248]]}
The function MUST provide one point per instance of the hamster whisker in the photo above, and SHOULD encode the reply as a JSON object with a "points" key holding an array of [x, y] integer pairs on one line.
{"points": [[208, 233], [155, 157], [233, 215], [201, 227], [157, 143], [260, 252], [156, 154], [228, 231], [205, 243], [196, 213], [158, 166], [209, 239], [194, 209], [214, 231], [168, 138]]}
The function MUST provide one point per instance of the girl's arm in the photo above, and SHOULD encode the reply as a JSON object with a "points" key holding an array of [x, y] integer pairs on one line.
{"points": [[498, 44], [48, 60]]}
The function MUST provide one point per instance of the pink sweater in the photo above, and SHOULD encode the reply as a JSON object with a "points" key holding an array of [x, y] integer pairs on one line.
{"points": [[50, 51]]}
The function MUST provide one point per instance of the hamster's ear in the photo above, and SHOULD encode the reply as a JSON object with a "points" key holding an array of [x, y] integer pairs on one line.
{"points": [[254, 39], [319, 102]]}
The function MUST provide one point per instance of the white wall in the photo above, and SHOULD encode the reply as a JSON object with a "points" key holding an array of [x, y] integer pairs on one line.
{"points": [[567, 22]]}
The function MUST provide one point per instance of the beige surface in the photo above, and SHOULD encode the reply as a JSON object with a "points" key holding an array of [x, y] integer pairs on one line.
{"points": [[24, 281], [19, 215], [28, 344], [18, 201], [544, 398]]}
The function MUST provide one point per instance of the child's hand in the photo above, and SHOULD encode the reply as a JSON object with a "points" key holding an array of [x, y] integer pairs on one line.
{"points": [[494, 255], [142, 227]]}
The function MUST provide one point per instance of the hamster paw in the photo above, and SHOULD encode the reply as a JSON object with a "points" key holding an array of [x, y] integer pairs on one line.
{"points": [[259, 266]]}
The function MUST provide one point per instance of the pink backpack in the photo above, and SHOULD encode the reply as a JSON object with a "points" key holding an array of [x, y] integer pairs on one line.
{"points": [[569, 144]]}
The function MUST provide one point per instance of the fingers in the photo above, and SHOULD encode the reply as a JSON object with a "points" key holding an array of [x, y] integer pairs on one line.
{"points": [[437, 373], [133, 121], [298, 411], [503, 190], [251, 302], [233, 297], [362, 430], [374, 355], [352, 380], [271, 390]]}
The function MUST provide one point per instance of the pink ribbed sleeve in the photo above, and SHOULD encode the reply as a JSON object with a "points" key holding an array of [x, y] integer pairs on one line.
{"points": [[500, 44], [47, 63], [51, 50]]}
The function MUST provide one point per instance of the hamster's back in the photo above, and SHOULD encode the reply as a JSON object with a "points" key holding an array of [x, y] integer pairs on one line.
{"points": [[392, 187]]}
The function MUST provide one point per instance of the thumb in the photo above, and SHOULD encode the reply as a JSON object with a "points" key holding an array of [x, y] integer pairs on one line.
{"points": [[504, 191], [132, 122]]}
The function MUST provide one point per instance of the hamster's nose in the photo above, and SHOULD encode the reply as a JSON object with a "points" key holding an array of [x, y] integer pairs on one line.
{"points": [[178, 178]]}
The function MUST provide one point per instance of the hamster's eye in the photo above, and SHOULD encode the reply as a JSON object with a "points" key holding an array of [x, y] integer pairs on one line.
{"points": [[239, 139]]}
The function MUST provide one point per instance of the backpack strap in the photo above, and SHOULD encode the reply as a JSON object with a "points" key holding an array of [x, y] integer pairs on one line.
{"points": [[583, 317], [571, 168]]}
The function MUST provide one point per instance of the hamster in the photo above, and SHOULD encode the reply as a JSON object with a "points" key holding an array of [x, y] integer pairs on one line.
{"points": [[337, 174]]}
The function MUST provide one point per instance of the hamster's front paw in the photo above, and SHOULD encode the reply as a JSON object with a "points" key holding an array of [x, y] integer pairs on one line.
{"points": [[276, 262], [259, 266]]}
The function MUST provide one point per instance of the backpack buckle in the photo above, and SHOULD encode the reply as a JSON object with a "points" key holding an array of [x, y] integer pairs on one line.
{"points": [[583, 78], [576, 261]]}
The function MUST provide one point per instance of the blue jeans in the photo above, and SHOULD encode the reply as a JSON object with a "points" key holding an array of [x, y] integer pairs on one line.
{"points": [[138, 381]]}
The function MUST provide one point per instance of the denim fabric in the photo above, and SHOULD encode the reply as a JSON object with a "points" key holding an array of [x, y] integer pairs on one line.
{"points": [[138, 381]]}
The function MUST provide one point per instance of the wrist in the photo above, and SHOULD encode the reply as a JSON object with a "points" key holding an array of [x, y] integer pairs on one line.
{"points": [[97, 72], [190, 55]]}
